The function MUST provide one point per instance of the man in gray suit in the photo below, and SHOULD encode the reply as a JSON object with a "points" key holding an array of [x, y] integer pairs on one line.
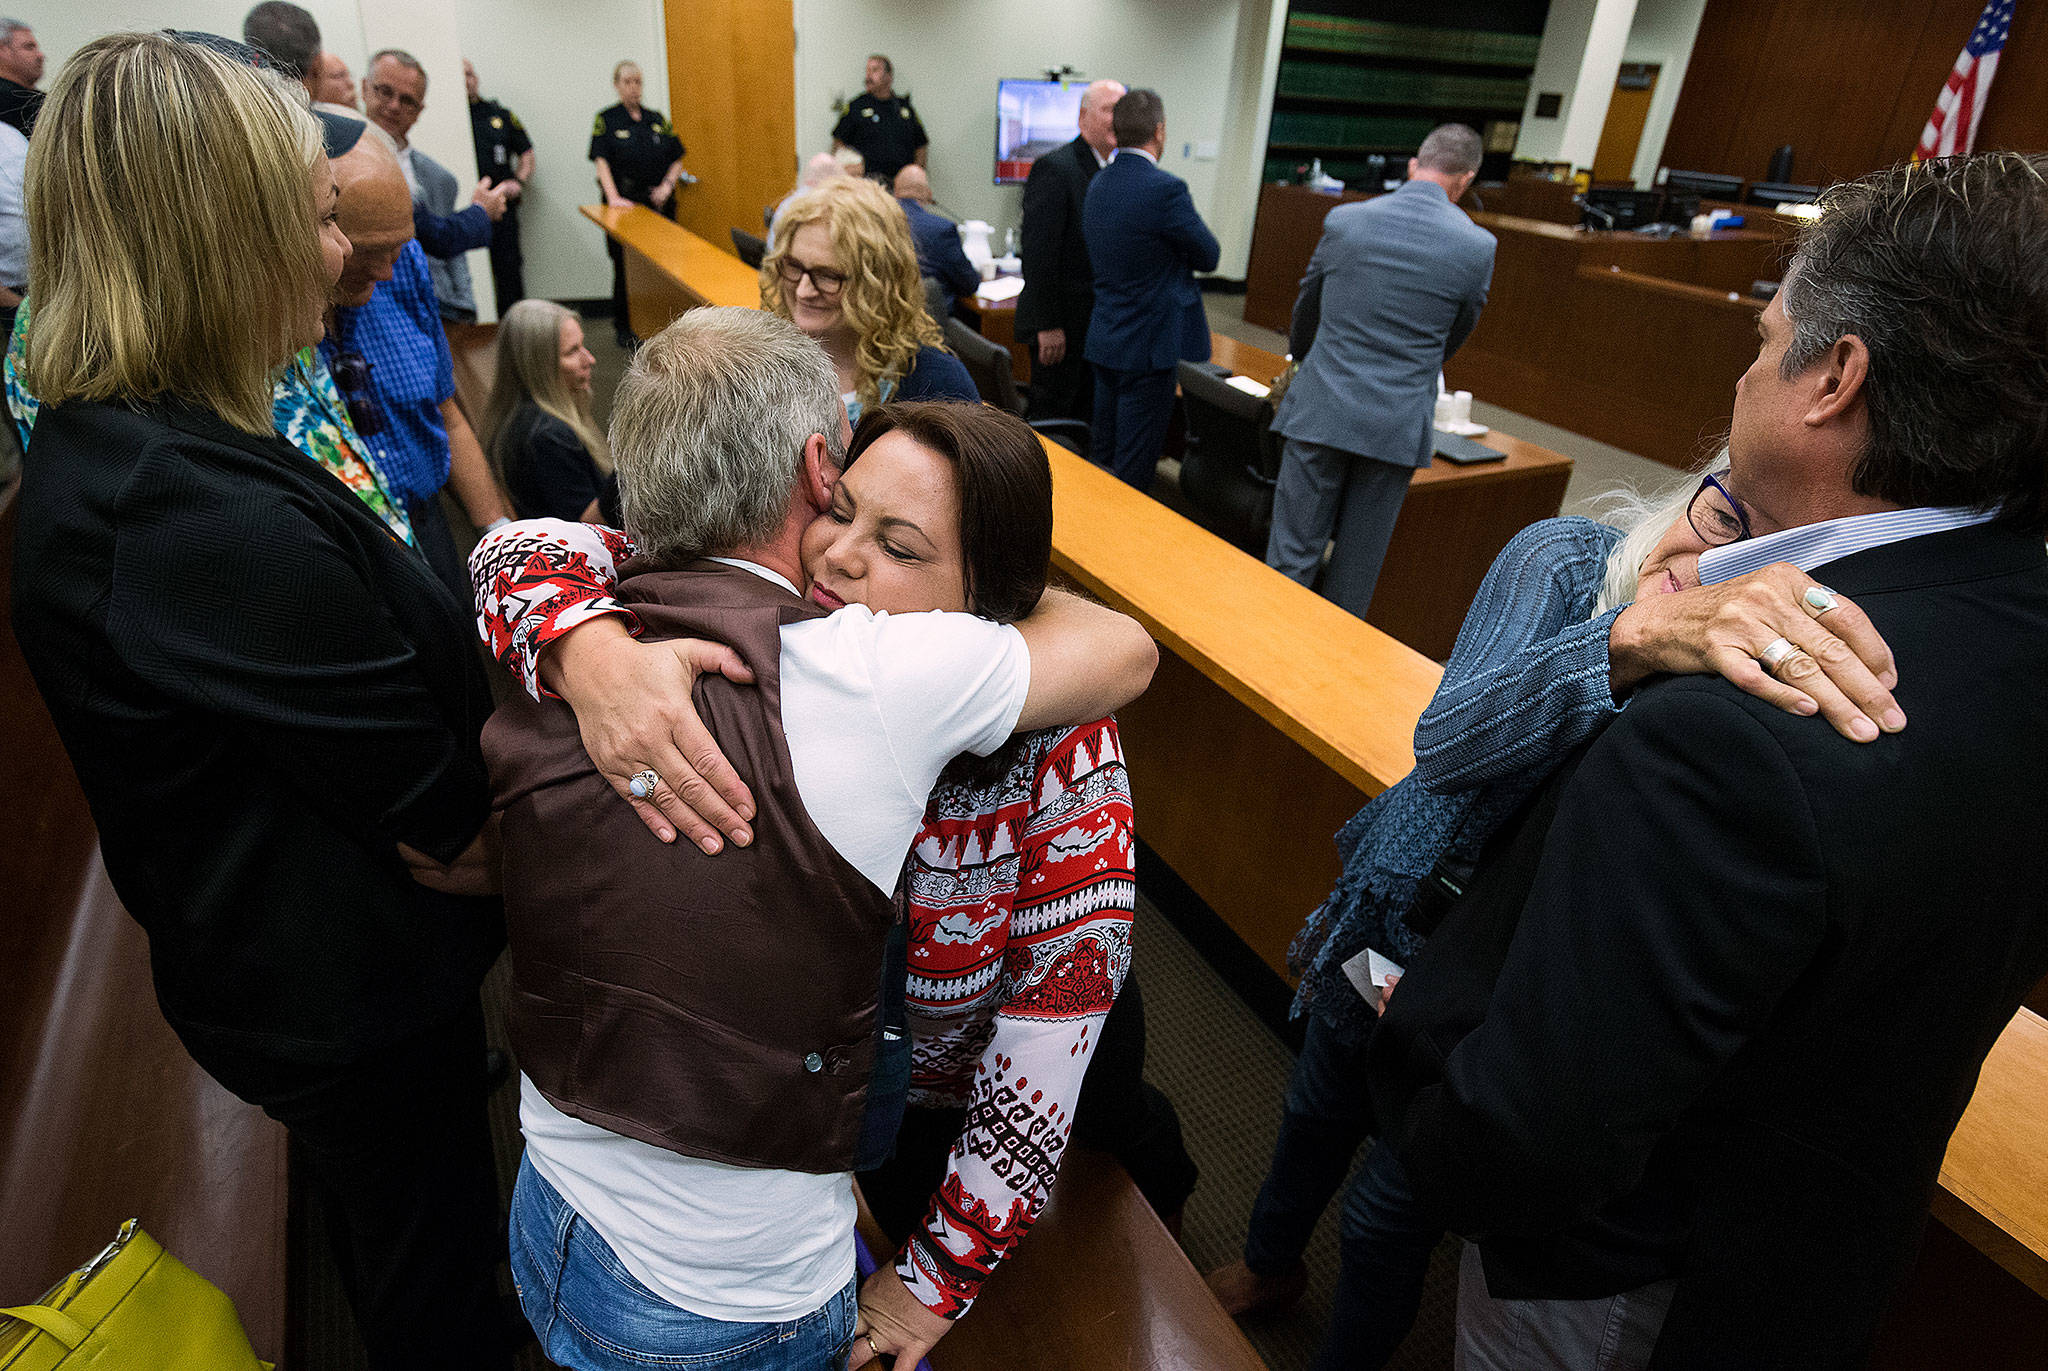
{"points": [[1395, 285]]}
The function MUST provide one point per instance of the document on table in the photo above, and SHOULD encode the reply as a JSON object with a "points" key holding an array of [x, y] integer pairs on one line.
{"points": [[1249, 386], [1001, 289]]}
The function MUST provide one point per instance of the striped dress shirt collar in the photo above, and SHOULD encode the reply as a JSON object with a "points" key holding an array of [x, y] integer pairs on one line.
{"points": [[1813, 545]]}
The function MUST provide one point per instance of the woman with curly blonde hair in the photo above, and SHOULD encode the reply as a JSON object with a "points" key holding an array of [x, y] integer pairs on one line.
{"points": [[843, 269]]}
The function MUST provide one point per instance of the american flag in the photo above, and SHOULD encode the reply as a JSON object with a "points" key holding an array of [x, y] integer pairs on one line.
{"points": [[1952, 129]]}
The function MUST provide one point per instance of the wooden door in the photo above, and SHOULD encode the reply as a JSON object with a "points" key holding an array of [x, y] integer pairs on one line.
{"points": [[1623, 131], [732, 98]]}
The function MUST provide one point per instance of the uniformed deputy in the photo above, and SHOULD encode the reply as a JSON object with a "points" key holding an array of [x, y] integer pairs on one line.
{"points": [[880, 125], [638, 161], [504, 156]]}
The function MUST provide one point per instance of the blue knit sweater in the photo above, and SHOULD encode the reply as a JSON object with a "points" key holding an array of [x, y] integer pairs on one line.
{"points": [[1526, 683]]}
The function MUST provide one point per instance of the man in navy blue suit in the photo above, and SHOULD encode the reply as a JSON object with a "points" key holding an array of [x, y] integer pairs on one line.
{"points": [[1146, 243], [939, 254]]}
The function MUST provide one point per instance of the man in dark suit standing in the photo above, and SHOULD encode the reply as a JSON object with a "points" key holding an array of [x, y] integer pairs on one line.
{"points": [[1145, 242], [1685, 1059], [1059, 285], [1396, 284]]}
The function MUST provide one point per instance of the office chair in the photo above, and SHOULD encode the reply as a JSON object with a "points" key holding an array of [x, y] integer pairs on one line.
{"points": [[750, 248], [938, 301], [989, 364], [1232, 461]]}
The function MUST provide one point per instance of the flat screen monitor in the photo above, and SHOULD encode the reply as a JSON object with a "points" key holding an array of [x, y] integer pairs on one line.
{"points": [[1620, 209], [1706, 185], [1776, 193], [1033, 117]]}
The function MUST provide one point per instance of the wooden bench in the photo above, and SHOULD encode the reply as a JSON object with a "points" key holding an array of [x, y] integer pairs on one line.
{"points": [[107, 1117]]}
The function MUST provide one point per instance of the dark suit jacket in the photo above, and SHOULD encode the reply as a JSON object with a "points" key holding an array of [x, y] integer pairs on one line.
{"points": [[1754, 978], [939, 253], [263, 694], [1146, 243], [1059, 285]]}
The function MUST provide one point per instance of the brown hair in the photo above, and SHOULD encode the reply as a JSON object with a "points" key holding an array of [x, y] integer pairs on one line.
{"points": [[1005, 495], [1941, 268]]}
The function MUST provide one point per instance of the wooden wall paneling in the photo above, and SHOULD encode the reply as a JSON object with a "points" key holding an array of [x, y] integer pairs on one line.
{"points": [[1717, 84], [732, 94], [1849, 83]]}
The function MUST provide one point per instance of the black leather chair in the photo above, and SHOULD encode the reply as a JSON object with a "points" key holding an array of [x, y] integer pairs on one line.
{"points": [[1232, 460], [938, 302], [750, 248], [989, 364]]}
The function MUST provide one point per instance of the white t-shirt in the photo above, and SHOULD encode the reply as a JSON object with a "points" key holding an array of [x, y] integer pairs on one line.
{"points": [[873, 707]]}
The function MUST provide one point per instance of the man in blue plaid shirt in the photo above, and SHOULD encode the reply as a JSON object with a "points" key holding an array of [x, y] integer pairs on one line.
{"points": [[390, 361]]}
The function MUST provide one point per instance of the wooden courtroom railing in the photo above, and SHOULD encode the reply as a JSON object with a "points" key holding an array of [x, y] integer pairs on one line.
{"points": [[1274, 714], [106, 1116]]}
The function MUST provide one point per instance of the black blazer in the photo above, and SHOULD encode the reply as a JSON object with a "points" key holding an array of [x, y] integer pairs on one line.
{"points": [[1059, 283], [1755, 975], [263, 694], [548, 472]]}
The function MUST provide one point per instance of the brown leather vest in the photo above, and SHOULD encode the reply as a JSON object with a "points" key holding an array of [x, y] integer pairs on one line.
{"points": [[719, 1007]]}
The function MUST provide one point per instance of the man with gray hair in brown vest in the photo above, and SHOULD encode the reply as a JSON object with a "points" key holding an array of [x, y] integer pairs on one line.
{"points": [[696, 1032]]}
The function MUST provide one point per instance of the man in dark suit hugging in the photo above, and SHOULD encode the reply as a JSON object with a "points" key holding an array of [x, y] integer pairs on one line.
{"points": [[1685, 1059], [1145, 242]]}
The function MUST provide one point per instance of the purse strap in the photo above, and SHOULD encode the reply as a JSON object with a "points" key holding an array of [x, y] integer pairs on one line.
{"points": [[55, 1322]]}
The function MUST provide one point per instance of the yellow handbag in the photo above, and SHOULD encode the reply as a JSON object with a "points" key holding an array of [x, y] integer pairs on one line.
{"points": [[134, 1307]]}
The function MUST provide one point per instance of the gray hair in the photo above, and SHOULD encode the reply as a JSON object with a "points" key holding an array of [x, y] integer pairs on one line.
{"points": [[709, 426], [403, 58], [285, 31], [1453, 149], [10, 27], [1642, 517]]}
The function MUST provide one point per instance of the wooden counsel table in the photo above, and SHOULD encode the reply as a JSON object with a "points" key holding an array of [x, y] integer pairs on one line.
{"points": [[1454, 522], [1273, 716]]}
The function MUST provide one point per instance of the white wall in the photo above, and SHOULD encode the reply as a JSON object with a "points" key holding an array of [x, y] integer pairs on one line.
{"points": [[1663, 33], [553, 66], [1579, 58], [554, 75], [949, 56]]}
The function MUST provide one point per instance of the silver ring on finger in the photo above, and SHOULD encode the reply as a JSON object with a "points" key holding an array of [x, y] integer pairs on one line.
{"points": [[643, 783], [1819, 599], [1774, 654]]}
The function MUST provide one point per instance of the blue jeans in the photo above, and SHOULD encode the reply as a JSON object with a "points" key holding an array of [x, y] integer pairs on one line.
{"points": [[1384, 1239], [592, 1315]]}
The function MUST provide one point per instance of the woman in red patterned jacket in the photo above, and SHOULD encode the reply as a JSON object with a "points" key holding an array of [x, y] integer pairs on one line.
{"points": [[1019, 892]]}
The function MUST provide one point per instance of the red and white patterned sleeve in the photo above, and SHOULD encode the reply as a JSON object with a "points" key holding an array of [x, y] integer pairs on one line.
{"points": [[537, 579], [1068, 950]]}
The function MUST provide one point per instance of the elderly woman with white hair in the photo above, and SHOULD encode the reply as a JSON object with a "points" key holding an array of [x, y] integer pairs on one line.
{"points": [[263, 688], [1572, 616]]}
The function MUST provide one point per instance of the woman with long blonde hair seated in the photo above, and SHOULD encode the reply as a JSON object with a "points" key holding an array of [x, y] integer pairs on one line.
{"points": [[843, 269], [546, 449]]}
